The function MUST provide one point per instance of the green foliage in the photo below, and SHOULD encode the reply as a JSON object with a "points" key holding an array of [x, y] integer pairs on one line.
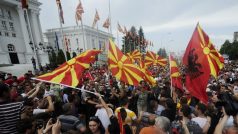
{"points": [[162, 53], [53, 59], [68, 55], [74, 54], [60, 57], [132, 40], [230, 49]]}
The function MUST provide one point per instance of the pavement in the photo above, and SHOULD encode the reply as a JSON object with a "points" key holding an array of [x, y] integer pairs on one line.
{"points": [[17, 69]]}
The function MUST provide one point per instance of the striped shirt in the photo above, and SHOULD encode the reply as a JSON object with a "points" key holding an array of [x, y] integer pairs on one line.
{"points": [[9, 115]]}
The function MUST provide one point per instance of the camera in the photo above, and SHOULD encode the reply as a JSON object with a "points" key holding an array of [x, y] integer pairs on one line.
{"points": [[228, 102], [39, 123]]}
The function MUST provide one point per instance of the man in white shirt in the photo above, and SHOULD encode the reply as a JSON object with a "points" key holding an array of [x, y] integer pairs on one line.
{"points": [[102, 115], [201, 119]]}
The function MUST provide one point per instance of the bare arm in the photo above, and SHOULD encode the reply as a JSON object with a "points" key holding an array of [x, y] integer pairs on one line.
{"points": [[51, 105], [109, 112], [221, 123], [207, 125], [33, 93]]}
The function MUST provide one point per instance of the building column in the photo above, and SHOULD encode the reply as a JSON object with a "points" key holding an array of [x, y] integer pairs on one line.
{"points": [[34, 26], [25, 33]]}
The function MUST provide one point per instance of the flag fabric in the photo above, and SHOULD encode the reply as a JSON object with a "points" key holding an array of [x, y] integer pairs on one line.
{"points": [[134, 56], [61, 14], [119, 28], [147, 74], [56, 41], [176, 78], [121, 67], [106, 24], [70, 73], [201, 60], [153, 59], [125, 31], [96, 18], [79, 12], [24, 4]]}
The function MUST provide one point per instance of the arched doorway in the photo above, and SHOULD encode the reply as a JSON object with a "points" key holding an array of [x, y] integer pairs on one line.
{"points": [[12, 54]]}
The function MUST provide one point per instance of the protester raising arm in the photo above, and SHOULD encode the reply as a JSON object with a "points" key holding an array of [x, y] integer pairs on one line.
{"points": [[222, 123], [33, 93]]}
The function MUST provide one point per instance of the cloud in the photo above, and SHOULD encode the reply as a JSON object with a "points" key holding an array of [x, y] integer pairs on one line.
{"points": [[214, 19]]}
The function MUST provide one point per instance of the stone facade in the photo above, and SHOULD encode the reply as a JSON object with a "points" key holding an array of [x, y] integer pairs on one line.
{"points": [[15, 37]]}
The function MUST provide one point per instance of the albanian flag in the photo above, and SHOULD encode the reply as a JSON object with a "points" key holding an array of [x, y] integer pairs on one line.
{"points": [[134, 56], [147, 74], [153, 59], [70, 73], [121, 67], [175, 75], [201, 60]]}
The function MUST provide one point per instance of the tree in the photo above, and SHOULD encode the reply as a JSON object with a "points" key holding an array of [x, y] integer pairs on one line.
{"points": [[162, 53], [230, 49], [132, 40], [68, 55], [141, 39], [60, 57], [74, 54], [53, 59]]}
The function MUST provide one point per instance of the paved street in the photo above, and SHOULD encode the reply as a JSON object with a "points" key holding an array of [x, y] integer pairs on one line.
{"points": [[17, 69]]}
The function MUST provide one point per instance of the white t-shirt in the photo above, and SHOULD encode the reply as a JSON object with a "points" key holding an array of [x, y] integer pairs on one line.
{"points": [[102, 115], [65, 98], [200, 121], [38, 111], [159, 109]]}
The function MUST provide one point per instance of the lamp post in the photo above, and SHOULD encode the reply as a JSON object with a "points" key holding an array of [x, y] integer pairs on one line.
{"points": [[34, 49]]}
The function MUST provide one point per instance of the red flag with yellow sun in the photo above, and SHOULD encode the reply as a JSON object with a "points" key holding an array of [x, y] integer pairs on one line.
{"points": [[71, 71], [176, 78], [134, 56], [201, 60], [121, 67], [147, 74], [153, 59]]}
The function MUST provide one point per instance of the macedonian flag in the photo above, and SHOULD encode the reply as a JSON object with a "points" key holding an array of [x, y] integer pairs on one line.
{"points": [[134, 56], [175, 75], [147, 74], [71, 71], [201, 60], [121, 67], [153, 59]]}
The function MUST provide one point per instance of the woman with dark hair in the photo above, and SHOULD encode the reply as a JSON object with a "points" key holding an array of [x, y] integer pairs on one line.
{"points": [[95, 126]]}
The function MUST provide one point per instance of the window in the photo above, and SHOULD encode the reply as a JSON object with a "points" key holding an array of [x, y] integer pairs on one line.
{"points": [[13, 35], [11, 48], [1, 13], [93, 43], [11, 26], [6, 34], [4, 25], [9, 16]]}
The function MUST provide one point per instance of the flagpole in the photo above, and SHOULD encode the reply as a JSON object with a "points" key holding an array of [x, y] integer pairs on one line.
{"points": [[110, 17], [61, 32], [171, 84], [64, 85], [31, 36], [84, 45], [117, 38]]}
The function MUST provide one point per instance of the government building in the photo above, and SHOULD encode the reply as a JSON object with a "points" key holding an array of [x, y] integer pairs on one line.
{"points": [[21, 35], [75, 39]]}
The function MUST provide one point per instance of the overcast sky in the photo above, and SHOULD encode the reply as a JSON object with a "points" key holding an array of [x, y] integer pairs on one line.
{"points": [[168, 23]]}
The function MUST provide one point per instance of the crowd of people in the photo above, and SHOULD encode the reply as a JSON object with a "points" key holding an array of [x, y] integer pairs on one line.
{"points": [[28, 106]]}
